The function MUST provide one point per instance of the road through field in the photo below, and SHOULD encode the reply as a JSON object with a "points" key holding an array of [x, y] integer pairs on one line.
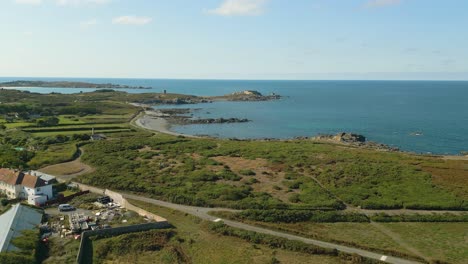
{"points": [[202, 212]]}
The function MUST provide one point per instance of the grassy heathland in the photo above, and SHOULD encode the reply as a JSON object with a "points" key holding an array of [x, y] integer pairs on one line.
{"points": [[195, 242], [273, 174]]}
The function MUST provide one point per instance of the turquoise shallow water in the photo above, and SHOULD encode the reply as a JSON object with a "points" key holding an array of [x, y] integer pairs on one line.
{"points": [[383, 111]]}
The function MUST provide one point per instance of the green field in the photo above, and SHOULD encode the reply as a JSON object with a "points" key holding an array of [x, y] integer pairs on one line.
{"points": [[54, 154]]}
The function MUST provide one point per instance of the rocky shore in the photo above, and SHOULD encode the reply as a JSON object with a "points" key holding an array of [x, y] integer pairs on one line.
{"points": [[354, 140], [179, 99], [179, 116], [247, 95]]}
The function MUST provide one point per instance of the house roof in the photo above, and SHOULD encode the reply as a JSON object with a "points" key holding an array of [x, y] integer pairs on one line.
{"points": [[14, 221], [46, 177], [13, 177], [10, 177]]}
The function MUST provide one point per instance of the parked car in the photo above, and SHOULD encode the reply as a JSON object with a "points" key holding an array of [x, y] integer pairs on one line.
{"points": [[66, 207], [104, 200]]}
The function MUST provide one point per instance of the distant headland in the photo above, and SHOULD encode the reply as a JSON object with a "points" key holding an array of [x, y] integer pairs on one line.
{"points": [[68, 84]]}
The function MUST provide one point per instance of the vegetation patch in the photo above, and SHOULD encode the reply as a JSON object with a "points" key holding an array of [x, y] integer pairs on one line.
{"points": [[420, 218], [30, 249], [106, 248], [295, 216]]}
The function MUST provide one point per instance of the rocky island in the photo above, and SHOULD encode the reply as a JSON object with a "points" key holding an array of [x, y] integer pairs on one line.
{"points": [[247, 95]]}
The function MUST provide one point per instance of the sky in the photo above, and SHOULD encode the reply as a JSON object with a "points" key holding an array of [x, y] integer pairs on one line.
{"points": [[235, 39]]}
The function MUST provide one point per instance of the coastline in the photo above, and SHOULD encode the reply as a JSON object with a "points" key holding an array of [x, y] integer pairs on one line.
{"points": [[155, 121]]}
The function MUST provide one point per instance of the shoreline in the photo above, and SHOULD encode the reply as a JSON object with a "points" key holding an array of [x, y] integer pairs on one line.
{"points": [[155, 121]]}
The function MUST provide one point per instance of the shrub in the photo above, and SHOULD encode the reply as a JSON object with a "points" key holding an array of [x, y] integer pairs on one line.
{"points": [[294, 216], [247, 172], [420, 218], [4, 202]]}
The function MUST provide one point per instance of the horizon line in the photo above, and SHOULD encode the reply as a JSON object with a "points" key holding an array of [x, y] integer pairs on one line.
{"points": [[18, 78]]}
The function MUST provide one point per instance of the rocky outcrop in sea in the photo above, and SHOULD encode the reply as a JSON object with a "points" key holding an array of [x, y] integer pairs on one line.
{"points": [[354, 140]]}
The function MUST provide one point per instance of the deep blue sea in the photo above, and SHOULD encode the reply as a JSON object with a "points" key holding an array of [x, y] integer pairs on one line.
{"points": [[389, 112]]}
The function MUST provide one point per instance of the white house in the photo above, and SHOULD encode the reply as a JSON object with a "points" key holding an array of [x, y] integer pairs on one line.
{"points": [[19, 185]]}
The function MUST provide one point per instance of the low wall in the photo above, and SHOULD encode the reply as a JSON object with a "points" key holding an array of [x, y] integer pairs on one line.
{"points": [[80, 259], [118, 198]]}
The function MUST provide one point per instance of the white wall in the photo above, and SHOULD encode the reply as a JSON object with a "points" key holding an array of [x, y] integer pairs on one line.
{"points": [[30, 193], [11, 191]]}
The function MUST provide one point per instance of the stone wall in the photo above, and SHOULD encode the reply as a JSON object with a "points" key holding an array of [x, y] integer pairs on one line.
{"points": [[81, 258]]}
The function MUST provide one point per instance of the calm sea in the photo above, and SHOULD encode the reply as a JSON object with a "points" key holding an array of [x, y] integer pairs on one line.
{"points": [[390, 112]]}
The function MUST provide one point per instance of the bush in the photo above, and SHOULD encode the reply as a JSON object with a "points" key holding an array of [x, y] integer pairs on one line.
{"points": [[247, 172], [420, 218], [294, 216], [4, 202]]}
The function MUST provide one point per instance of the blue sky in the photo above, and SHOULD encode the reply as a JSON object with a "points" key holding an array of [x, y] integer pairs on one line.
{"points": [[235, 39]]}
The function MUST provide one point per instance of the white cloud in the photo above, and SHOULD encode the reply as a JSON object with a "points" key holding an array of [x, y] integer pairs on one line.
{"points": [[88, 23], [132, 20], [29, 2], [240, 8], [382, 3]]}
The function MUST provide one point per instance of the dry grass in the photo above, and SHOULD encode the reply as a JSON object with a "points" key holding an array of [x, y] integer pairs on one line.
{"points": [[451, 174], [269, 176], [75, 168]]}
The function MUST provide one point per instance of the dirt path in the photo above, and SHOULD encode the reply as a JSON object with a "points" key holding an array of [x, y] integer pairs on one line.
{"points": [[68, 170], [397, 239]]}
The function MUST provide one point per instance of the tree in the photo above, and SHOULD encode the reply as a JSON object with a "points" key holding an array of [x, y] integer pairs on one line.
{"points": [[49, 121]]}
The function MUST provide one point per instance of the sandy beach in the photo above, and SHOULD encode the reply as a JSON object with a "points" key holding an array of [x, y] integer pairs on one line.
{"points": [[155, 121]]}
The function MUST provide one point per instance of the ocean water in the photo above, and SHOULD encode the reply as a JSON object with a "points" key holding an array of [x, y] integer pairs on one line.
{"points": [[390, 112]]}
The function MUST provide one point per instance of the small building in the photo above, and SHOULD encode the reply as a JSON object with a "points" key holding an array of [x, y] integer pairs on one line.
{"points": [[19, 185], [14, 222], [97, 137]]}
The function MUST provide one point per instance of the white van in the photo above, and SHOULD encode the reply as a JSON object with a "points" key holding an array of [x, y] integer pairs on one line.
{"points": [[66, 207]]}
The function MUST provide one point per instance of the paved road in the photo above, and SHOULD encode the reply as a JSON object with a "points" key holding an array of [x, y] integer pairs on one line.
{"points": [[202, 212]]}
